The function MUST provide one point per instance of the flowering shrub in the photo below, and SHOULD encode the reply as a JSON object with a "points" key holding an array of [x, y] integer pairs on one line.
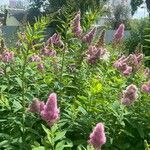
{"points": [[87, 80]]}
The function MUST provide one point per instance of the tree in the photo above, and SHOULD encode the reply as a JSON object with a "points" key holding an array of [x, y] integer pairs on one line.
{"points": [[35, 10], [81, 5]]}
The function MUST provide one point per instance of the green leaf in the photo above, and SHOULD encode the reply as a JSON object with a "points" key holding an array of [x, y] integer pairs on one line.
{"points": [[38, 148], [82, 110], [47, 131], [19, 81], [3, 88], [62, 144], [60, 135], [16, 106], [3, 143]]}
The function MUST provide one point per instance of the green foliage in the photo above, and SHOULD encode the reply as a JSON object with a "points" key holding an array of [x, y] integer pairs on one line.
{"points": [[137, 34], [55, 140], [77, 5], [87, 94]]}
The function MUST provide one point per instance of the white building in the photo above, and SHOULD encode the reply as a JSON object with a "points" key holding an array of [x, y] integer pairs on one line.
{"points": [[16, 11]]}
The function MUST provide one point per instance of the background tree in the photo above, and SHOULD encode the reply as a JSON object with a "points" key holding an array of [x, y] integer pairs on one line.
{"points": [[54, 5], [35, 10]]}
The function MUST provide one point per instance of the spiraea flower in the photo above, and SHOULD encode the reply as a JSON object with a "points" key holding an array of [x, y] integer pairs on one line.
{"points": [[75, 25], [147, 72], [37, 106], [130, 64], [97, 137], [56, 40], [40, 66], [135, 60], [129, 95], [98, 51], [89, 36], [146, 87], [6, 56], [122, 66], [50, 113], [49, 42], [35, 58], [119, 34], [48, 51], [93, 54]]}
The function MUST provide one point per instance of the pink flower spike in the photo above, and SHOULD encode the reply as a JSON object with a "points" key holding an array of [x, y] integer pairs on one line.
{"points": [[56, 39], [35, 58], [128, 71], [89, 36], [40, 67], [119, 34], [129, 95], [146, 87], [48, 51], [7, 56], [147, 72], [93, 54], [36, 106], [50, 114], [97, 137], [75, 25], [51, 103]]}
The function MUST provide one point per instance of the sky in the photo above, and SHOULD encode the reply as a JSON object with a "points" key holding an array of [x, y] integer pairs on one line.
{"points": [[6, 2], [141, 12]]}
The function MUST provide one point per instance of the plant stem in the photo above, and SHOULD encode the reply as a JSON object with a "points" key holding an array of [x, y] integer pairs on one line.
{"points": [[23, 96], [62, 63]]}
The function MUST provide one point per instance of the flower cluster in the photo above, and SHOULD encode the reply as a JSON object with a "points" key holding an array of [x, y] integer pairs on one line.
{"points": [[97, 51], [37, 59], [94, 53], [36, 106], [75, 25], [6, 56], [147, 72], [97, 137], [146, 87], [34, 58], [55, 39], [48, 49], [119, 34], [129, 95], [49, 111], [130, 64], [89, 36]]}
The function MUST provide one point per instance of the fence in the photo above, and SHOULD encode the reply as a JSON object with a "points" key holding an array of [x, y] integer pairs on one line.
{"points": [[10, 34]]}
